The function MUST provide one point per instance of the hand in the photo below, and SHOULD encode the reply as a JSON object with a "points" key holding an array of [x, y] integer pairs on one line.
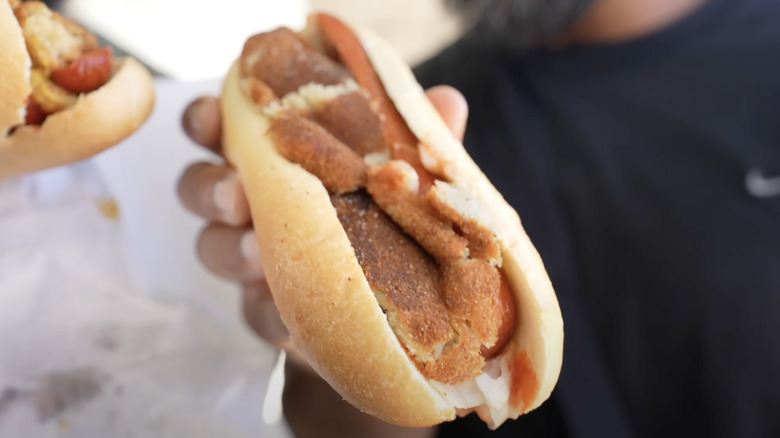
{"points": [[227, 246]]}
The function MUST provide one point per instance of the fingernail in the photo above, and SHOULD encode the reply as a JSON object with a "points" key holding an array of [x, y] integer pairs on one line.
{"points": [[249, 248], [190, 120], [225, 194]]}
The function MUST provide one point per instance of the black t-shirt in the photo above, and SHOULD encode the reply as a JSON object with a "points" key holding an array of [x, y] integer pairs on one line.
{"points": [[628, 166]]}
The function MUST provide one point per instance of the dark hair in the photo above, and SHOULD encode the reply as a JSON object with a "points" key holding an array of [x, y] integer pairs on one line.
{"points": [[54, 5], [517, 24]]}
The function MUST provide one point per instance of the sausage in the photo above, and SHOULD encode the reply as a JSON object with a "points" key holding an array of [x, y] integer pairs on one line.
{"points": [[328, 138], [87, 73]]}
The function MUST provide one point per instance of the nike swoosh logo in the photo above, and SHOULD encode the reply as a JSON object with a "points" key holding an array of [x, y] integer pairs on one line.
{"points": [[760, 186]]}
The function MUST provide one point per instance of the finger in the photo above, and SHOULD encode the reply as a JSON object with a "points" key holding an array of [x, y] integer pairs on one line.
{"points": [[261, 314], [230, 252], [215, 193], [202, 122], [452, 107]]}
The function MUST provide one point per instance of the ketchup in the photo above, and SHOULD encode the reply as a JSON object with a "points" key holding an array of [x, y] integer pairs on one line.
{"points": [[35, 114]]}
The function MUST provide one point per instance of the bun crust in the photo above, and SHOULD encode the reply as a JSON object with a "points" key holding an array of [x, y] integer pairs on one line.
{"points": [[539, 335], [97, 121], [322, 294], [317, 284], [14, 75]]}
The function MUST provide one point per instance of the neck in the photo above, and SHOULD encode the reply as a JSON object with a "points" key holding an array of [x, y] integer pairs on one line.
{"points": [[615, 21]]}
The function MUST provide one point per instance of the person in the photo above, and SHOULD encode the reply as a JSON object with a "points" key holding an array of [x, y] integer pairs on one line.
{"points": [[638, 140]]}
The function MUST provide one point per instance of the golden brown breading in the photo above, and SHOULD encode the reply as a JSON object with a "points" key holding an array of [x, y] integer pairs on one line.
{"points": [[14, 3], [304, 142], [49, 96], [52, 40], [285, 62]]}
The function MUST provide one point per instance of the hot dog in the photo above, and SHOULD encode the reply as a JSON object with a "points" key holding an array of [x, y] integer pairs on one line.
{"points": [[403, 276], [62, 97]]}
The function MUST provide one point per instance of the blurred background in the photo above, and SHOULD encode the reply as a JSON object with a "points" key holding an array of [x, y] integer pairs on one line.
{"points": [[188, 40]]}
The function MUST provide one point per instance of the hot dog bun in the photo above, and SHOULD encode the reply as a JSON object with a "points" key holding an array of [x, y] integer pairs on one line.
{"points": [[323, 295], [15, 82], [97, 121]]}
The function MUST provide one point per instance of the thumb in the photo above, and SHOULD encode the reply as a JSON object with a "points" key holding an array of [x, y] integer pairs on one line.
{"points": [[452, 107]]}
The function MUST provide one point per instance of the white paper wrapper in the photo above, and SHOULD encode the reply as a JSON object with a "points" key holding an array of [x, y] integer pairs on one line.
{"points": [[111, 328]]}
